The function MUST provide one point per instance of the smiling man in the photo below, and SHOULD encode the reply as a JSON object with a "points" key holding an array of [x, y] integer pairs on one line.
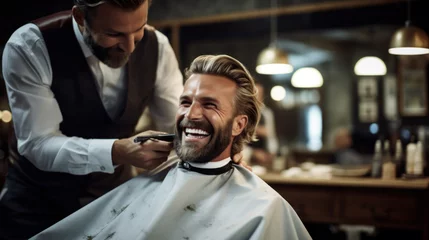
{"points": [[205, 120], [204, 195]]}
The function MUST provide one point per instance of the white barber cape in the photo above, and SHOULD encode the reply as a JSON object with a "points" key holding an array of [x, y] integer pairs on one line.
{"points": [[182, 204]]}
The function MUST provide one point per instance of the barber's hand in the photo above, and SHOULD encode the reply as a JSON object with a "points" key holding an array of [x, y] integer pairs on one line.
{"points": [[238, 158], [147, 155]]}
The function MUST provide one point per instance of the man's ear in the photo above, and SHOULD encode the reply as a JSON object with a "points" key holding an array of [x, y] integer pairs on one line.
{"points": [[78, 15], [240, 122]]}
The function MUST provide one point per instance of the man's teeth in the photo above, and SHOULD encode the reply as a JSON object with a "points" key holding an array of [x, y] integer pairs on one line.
{"points": [[196, 131]]}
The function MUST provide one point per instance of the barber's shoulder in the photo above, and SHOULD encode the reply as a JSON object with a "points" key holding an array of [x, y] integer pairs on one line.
{"points": [[27, 35], [164, 47], [162, 39]]}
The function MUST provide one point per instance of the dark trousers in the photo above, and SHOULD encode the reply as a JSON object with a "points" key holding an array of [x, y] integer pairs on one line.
{"points": [[26, 210]]}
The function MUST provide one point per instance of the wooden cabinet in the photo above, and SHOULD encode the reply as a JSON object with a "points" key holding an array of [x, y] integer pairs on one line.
{"points": [[396, 204], [315, 205], [388, 208]]}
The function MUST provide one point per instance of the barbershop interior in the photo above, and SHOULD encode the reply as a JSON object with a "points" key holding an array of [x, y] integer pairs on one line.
{"points": [[344, 129]]}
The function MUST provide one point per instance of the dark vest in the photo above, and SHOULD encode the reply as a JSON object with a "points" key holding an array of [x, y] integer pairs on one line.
{"points": [[83, 112]]}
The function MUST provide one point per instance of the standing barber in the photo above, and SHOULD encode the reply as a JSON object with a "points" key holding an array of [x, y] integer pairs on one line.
{"points": [[77, 83]]}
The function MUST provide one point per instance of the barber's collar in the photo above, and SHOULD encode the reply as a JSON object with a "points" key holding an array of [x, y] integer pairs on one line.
{"points": [[86, 50], [210, 168]]}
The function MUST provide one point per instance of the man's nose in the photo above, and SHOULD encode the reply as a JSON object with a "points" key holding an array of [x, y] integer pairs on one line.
{"points": [[194, 111], [128, 44]]}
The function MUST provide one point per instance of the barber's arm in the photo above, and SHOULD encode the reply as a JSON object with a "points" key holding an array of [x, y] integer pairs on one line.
{"points": [[36, 114]]}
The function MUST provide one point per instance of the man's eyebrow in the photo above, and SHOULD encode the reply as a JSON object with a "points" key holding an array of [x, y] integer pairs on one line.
{"points": [[203, 99], [184, 96], [114, 31], [209, 99]]}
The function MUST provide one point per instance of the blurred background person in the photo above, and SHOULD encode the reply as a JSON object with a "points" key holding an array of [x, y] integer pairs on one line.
{"points": [[344, 153]]}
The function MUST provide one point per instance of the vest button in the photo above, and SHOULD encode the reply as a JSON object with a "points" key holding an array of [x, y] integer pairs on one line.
{"points": [[102, 168]]}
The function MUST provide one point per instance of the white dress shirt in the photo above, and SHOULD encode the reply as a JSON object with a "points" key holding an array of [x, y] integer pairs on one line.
{"points": [[36, 115]]}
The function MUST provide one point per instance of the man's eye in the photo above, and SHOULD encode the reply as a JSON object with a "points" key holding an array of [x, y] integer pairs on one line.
{"points": [[210, 105], [113, 34], [185, 103]]}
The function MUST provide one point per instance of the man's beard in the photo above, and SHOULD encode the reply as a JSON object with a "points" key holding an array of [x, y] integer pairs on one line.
{"points": [[113, 57], [191, 152]]}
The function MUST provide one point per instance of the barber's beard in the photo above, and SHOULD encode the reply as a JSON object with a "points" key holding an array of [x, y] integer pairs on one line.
{"points": [[113, 57], [191, 152]]}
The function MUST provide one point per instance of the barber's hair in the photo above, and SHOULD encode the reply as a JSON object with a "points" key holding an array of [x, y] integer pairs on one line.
{"points": [[245, 102], [86, 6]]}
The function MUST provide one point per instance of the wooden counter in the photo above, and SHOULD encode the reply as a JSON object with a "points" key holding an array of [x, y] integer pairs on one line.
{"points": [[396, 204], [350, 181]]}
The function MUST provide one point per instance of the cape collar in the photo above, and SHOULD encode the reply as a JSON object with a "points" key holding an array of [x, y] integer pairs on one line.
{"points": [[208, 168]]}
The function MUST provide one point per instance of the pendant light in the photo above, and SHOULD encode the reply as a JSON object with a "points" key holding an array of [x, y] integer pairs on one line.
{"points": [[370, 66], [409, 40], [273, 60], [307, 77]]}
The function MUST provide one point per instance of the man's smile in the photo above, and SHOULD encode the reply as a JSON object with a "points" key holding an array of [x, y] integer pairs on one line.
{"points": [[195, 135]]}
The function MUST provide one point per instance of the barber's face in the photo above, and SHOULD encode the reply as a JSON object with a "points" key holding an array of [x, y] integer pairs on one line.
{"points": [[204, 120], [113, 33]]}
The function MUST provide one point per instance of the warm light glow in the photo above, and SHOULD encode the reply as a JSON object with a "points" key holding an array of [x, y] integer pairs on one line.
{"points": [[370, 66], [278, 93], [274, 68], [307, 78], [273, 60], [408, 51], [6, 116], [409, 40]]}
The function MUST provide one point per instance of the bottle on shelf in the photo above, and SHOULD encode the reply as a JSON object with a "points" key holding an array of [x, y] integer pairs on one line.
{"points": [[388, 167], [418, 160], [376, 160], [411, 150], [399, 159], [423, 136]]}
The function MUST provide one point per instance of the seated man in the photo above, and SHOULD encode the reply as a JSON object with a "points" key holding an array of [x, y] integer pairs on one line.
{"points": [[344, 154], [205, 195]]}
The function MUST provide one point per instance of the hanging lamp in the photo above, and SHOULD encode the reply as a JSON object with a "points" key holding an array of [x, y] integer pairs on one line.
{"points": [[273, 60], [307, 77], [409, 40], [370, 66]]}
